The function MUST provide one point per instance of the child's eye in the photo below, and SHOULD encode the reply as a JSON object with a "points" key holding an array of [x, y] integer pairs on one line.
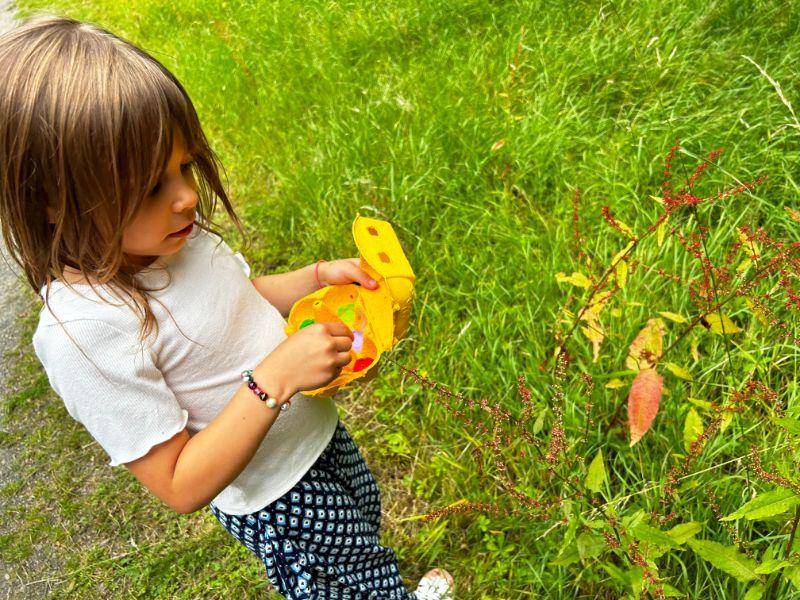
{"points": [[184, 169]]}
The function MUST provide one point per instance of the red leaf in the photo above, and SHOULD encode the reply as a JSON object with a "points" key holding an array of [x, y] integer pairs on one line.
{"points": [[643, 402]]}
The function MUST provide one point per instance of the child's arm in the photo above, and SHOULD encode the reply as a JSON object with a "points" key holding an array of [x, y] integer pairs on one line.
{"points": [[188, 472], [282, 290]]}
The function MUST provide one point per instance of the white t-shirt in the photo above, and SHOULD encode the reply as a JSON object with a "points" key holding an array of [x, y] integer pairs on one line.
{"points": [[134, 399]]}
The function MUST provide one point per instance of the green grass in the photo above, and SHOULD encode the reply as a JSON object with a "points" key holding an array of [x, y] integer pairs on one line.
{"points": [[321, 111]]}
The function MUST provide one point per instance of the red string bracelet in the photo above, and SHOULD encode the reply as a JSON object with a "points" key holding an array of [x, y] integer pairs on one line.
{"points": [[316, 272]]}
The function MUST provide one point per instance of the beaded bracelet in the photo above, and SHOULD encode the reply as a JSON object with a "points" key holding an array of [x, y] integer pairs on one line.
{"points": [[270, 402]]}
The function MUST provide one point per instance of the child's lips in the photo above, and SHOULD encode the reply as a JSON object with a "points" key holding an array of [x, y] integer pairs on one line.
{"points": [[185, 231]]}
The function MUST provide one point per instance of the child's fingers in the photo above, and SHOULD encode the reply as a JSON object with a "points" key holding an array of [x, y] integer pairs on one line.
{"points": [[343, 359], [342, 344], [339, 328]]}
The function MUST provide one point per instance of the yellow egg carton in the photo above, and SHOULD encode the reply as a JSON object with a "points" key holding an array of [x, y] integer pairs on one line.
{"points": [[378, 318]]}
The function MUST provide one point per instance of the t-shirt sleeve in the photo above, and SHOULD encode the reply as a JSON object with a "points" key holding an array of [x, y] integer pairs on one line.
{"points": [[217, 241], [115, 390], [240, 259]]}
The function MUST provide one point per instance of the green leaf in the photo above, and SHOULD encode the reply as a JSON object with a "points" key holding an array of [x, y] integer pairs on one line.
{"points": [[651, 535], [567, 556], [671, 592], [539, 423], [636, 578], [597, 473], [725, 558], [771, 565], [790, 425], [632, 520], [590, 545], [692, 429], [679, 371], [792, 574], [755, 592], [766, 505], [683, 532], [616, 573]]}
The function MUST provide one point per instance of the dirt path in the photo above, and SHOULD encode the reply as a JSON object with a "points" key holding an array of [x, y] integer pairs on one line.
{"points": [[11, 298], [12, 303]]}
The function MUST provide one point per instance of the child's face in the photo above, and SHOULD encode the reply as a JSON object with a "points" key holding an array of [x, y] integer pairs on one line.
{"points": [[168, 209]]}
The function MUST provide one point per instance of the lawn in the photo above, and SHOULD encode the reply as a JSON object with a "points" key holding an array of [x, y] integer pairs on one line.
{"points": [[469, 126]]}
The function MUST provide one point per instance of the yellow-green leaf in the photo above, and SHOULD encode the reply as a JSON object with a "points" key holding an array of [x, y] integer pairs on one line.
{"points": [[646, 347], [621, 253], [578, 279], [594, 333], [679, 371], [624, 227], [722, 325], [757, 312], [748, 246], [692, 429], [727, 419], [660, 231], [621, 272], [596, 474], [673, 316], [615, 384], [704, 404], [693, 349]]}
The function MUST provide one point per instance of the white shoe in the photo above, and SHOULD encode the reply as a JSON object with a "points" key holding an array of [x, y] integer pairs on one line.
{"points": [[435, 585]]}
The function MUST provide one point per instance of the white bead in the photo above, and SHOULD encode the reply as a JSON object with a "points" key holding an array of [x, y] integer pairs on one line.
{"points": [[271, 402]]}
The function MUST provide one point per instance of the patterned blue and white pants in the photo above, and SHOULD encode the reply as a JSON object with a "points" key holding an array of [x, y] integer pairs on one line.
{"points": [[320, 539]]}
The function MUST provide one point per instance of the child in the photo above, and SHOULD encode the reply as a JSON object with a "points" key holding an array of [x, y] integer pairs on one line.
{"points": [[152, 332]]}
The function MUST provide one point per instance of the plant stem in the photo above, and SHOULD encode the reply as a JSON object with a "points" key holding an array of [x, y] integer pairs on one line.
{"points": [[776, 577]]}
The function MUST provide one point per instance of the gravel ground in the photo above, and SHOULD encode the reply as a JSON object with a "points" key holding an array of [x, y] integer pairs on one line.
{"points": [[12, 303]]}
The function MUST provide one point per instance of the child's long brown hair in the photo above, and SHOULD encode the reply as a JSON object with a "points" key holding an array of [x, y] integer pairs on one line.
{"points": [[86, 127]]}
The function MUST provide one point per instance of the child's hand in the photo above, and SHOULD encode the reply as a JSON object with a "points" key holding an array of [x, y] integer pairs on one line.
{"points": [[313, 356], [344, 271]]}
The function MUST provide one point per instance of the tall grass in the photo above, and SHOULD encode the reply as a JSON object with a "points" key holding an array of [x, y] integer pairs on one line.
{"points": [[322, 110]]}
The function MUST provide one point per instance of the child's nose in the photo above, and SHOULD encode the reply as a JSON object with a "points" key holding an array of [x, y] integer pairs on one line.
{"points": [[187, 198]]}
